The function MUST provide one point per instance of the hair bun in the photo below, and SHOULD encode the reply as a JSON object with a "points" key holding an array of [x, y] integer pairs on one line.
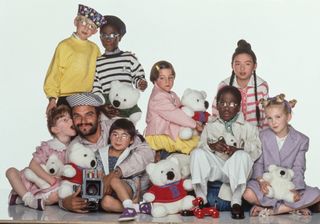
{"points": [[243, 44]]}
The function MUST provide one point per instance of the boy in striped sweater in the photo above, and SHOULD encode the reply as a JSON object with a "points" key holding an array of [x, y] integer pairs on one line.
{"points": [[116, 64], [252, 87]]}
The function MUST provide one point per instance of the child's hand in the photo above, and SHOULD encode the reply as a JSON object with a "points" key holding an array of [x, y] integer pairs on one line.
{"points": [[218, 146], [107, 184], [296, 195], [142, 84], [52, 104], [110, 111], [230, 150], [199, 127], [264, 186]]}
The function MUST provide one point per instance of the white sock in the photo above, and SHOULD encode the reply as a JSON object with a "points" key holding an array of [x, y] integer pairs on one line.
{"points": [[32, 202], [27, 198], [127, 203], [136, 207]]}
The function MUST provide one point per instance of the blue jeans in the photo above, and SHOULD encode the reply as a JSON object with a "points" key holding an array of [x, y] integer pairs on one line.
{"points": [[214, 200]]}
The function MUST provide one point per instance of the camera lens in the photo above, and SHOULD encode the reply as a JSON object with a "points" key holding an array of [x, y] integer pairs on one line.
{"points": [[92, 189]]}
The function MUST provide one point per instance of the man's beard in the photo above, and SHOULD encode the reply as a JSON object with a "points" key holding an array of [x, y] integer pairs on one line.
{"points": [[87, 132]]}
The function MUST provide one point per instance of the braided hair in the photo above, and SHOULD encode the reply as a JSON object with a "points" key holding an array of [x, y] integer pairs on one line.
{"points": [[243, 47]]}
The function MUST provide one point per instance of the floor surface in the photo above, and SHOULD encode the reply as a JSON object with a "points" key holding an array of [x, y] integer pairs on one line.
{"points": [[53, 214]]}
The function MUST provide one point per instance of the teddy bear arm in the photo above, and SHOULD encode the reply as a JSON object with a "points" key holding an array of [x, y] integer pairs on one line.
{"points": [[187, 185], [149, 197], [68, 171], [267, 177], [188, 111], [135, 117]]}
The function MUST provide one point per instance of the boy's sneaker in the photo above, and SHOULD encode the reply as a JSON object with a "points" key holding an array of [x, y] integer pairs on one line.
{"points": [[14, 199], [145, 208], [127, 215]]}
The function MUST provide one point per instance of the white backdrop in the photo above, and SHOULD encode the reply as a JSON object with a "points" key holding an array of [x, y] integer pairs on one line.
{"points": [[198, 37]]}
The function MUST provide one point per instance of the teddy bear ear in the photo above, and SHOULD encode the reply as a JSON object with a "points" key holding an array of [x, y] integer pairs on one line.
{"points": [[204, 94], [187, 91], [272, 167], [115, 83], [291, 173], [150, 167], [175, 160]]}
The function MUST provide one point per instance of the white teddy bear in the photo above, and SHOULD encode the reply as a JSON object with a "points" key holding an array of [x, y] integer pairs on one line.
{"points": [[168, 192], [53, 167], [280, 180], [80, 157], [184, 164], [195, 106], [124, 97]]}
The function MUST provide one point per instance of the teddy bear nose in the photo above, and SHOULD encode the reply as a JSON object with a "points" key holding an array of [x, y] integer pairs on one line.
{"points": [[282, 172], [93, 163], [170, 175], [206, 104], [116, 103]]}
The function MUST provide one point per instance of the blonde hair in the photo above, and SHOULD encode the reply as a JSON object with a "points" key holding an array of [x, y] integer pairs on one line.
{"points": [[279, 100]]}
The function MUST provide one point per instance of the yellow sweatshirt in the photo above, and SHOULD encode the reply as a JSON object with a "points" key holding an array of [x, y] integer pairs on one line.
{"points": [[72, 68]]}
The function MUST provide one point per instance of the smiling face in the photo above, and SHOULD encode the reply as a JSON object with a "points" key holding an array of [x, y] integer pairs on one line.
{"points": [[85, 28], [228, 106], [243, 67], [85, 119], [278, 119], [120, 139]]}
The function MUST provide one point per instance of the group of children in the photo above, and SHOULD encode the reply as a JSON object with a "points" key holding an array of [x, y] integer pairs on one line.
{"points": [[229, 148]]}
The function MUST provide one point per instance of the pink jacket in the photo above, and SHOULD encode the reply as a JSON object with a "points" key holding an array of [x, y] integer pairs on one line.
{"points": [[164, 116]]}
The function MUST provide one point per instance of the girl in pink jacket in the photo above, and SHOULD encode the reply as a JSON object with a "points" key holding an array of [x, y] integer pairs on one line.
{"points": [[164, 116]]}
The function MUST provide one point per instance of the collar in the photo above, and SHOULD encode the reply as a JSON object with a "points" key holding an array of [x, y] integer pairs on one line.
{"points": [[240, 119], [250, 83], [75, 36], [228, 124], [116, 51], [56, 144]]}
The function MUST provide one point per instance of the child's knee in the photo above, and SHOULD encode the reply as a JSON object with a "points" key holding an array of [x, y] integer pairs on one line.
{"points": [[11, 171], [106, 201], [249, 195], [52, 199]]}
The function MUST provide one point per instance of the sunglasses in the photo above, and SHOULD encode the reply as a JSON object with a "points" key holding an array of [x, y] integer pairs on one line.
{"points": [[110, 36]]}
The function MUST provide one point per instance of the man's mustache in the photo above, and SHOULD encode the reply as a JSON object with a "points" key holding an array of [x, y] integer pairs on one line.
{"points": [[81, 124]]}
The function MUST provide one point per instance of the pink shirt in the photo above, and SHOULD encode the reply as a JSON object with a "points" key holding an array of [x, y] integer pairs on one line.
{"points": [[164, 116], [248, 101]]}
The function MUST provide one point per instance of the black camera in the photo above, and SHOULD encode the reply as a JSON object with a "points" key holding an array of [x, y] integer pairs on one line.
{"points": [[91, 188]]}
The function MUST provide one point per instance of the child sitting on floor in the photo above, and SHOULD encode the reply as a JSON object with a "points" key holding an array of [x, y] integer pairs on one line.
{"points": [[60, 125]]}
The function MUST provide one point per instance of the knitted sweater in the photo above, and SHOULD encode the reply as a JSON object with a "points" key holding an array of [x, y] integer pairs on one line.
{"points": [[72, 68], [122, 66]]}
